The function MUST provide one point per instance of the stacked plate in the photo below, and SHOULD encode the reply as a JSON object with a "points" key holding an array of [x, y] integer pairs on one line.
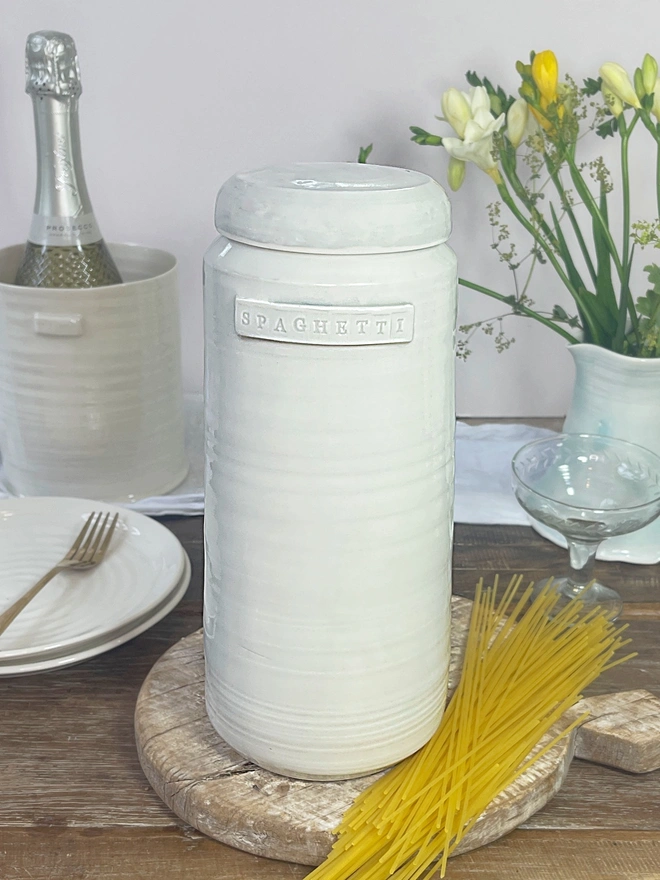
{"points": [[82, 614]]}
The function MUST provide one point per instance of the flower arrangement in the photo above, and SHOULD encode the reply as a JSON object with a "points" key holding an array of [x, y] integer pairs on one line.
{"points": [[528, 146]]}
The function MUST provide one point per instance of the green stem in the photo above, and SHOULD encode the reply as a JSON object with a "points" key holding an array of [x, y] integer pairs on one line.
{"points": [[625, 301], [657, 177], [556, 179], [655, 133], [547, 250], [592, 207], [523, 310], [509, 168], [625, 175], [528, 280]]}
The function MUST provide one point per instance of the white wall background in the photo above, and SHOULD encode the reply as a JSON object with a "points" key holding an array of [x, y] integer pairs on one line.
{"points": [[180, 94]]}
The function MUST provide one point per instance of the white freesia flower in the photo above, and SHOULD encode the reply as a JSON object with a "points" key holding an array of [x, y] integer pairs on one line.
{"points": [[455, 173], [618, 82], [613, 101], [517, 119], [476, 142], [456, 110], [649, 73], [460, 107], [656, 100]]}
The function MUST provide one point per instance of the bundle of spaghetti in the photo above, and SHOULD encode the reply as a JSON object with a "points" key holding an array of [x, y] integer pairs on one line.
{"points": [[525, 664]]}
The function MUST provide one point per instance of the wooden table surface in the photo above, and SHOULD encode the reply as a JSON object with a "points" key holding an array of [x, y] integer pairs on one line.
{"points": [[74, 803]]}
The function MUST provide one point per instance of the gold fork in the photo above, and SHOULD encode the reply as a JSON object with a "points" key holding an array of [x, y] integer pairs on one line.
{"points": [[87, 550]]}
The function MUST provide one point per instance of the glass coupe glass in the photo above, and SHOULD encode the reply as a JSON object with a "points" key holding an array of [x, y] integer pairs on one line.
{"points": [[588, 488]]}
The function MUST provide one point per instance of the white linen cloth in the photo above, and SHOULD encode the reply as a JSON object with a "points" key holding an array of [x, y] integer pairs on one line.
{"points": [[483, 472]]}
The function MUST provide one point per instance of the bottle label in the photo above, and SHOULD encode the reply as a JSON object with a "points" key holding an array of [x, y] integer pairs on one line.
{"points": [[64, 231]]}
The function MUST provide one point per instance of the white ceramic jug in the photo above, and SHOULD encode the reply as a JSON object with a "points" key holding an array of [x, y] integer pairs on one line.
{"points": [[618, 396], [330, 301]]}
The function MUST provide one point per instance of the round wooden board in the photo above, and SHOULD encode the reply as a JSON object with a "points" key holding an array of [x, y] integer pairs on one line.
{"points": [[214, 789]]}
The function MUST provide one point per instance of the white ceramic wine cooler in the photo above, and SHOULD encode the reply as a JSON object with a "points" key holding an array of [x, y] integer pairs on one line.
{"points": [[91, 398]]}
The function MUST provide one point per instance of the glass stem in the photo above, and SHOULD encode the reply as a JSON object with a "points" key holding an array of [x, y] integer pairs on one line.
{"points": [[582, 558]]}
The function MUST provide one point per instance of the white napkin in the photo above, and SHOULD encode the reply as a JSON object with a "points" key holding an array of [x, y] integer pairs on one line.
{"points": [[483, 472]]}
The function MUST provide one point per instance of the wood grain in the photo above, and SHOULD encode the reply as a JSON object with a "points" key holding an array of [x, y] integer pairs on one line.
{"points": [[214, 789], [74, 803], [175, 853], [623, 731]]}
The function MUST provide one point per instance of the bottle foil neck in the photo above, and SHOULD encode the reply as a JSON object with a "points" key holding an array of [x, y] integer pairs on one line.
{"points": [[63, 212]]}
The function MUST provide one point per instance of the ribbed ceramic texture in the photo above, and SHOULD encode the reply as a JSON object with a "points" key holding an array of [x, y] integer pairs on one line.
{"points": [[618, 396], [99, 413], [144, 563], [107, 640], [88, 265], [328, 514]]}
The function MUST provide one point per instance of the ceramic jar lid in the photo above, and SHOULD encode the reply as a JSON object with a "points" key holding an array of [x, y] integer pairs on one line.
{"points": [[334, 207]]}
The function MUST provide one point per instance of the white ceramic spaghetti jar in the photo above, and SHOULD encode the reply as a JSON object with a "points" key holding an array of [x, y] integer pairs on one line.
{"points": [[330, 302]]}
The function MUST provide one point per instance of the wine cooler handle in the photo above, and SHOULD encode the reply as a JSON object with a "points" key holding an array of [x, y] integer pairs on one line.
{"points": [[46, 324]]}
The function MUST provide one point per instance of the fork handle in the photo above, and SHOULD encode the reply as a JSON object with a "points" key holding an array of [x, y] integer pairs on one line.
{"points": [[8, 616]]}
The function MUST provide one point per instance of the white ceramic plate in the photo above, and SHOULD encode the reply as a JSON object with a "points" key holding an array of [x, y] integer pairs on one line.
{"points": [[78, 610], [111, 640]]}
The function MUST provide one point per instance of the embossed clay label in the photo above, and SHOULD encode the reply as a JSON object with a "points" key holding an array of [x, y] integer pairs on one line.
{"points": [[324, 325]]}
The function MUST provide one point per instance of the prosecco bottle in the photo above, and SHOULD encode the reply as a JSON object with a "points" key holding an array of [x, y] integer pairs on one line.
{"points": [[65, 247]]}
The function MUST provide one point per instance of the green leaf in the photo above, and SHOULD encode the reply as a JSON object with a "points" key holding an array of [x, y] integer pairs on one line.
{"points": [[608, 128], [495, 105], [653, 272], [364, 153], [646, 342], [565, 253], [649, 305], [647, 101], [598, 322], [500, 101], [604, 286], [601, 315], [592, 86]]}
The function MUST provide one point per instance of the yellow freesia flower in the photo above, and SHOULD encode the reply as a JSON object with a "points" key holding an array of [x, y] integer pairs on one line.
{"points": [[545, 73]]}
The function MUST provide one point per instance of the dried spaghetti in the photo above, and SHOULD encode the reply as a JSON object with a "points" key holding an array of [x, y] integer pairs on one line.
{"points": [[523, 668]]}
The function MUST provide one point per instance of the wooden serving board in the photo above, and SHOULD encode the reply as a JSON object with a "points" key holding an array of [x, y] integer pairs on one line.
{"points": [[214, 789]]}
